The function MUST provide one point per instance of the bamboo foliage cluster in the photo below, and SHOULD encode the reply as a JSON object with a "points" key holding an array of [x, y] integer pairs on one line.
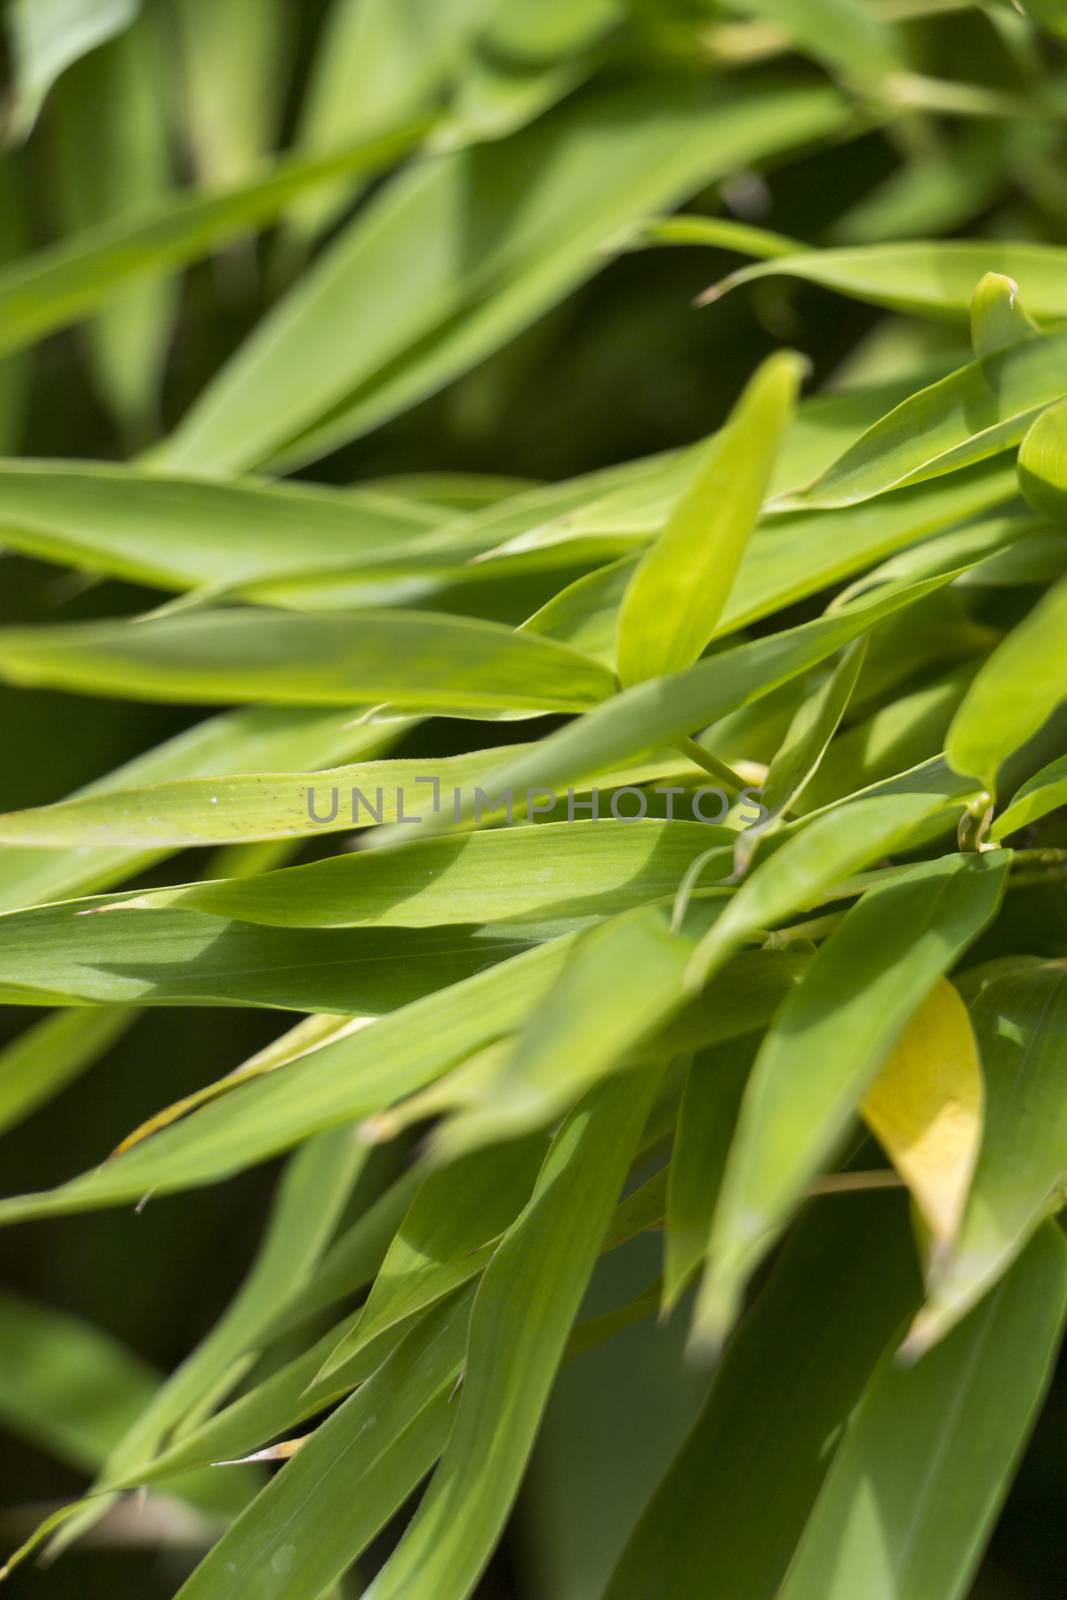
{"points": [[445, 747]]}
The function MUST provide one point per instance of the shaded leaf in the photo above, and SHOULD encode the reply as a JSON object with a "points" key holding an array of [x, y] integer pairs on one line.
{"points": [[931, 1450]]}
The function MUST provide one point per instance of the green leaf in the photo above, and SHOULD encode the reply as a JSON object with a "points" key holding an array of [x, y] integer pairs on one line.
{"points": [[350, 1079], [682, 584], [47, 36], [407, 658], [563, 869], [843, 1285], [62, 283], [856, 998], [69, 954], [504, 251], [1045, 792], [800, 754], [930, 1452], [998, 320], [1015, 691], [50, 1054], [446, 1237], [177, 533], [245, 741], [526, 1305], [345, 1482], [970, 415], [308, 1201], [927, 278], [1043, 463], [1019, 1018], [714, 1085]]}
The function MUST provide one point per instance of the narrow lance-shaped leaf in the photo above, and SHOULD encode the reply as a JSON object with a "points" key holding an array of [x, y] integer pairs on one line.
{"points": [[714, 1085], [344, 1081], [1015, 691], [279, 804], [683, 582], [558, 869], [1046, 791], [280, 658], [859, 993], [998, 319], [967, 417], [1020, 1018], [185, 533], [447, 1235], [731, 1507], [925, 1107], [1043, 464], [310, 1196], [358, 1467], [798, 757], [930, 1452], [522, 1317], [929, 278]]}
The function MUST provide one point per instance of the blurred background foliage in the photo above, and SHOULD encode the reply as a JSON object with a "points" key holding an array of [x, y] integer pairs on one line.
{"points": [[113, 107]]}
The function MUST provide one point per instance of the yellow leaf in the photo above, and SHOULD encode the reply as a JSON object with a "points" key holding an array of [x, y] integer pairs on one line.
{"points": [[926, 1106]]}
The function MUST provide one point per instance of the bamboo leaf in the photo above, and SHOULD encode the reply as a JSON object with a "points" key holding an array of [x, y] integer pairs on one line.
{"points": [[931, 1450], [350, 1476], [798, 1363], [527, 1303], [345, 1081], [928, 278], [285, 659], [66, 1385], [858, 995], [711, 1098], [681, 586], [1014, 692], [564, 869], [925, 1107], [970, 415], [1045, 792], [180, 533], [446, 1237], [56, 955]]}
